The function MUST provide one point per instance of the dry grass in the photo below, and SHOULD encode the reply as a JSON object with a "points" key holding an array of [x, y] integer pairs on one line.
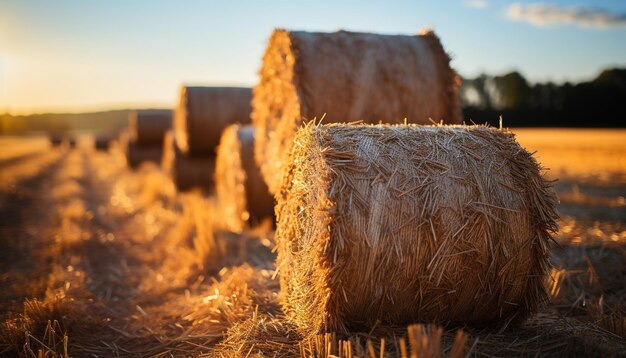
{"points": [[132, 272], [583, 154]]}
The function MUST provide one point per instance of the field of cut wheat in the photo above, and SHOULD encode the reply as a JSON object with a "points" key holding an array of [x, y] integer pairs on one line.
{"points": [[100, 260]]}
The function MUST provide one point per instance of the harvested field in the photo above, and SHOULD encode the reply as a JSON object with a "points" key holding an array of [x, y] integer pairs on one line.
{"points": [[99, 260]]}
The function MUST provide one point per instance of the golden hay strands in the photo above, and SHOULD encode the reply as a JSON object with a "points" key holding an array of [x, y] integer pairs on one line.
{"points": [[347, 77], [417, 340], [187, 172], [242, 196], [147, 127], [204, 112], [403, 224]]}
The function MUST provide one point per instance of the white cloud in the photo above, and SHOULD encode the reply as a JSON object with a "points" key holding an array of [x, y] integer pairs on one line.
{"points": [[476, 4], [543, 15]]}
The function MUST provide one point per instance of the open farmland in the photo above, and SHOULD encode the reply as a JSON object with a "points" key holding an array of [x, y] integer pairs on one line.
{"points": [[98, 260]]}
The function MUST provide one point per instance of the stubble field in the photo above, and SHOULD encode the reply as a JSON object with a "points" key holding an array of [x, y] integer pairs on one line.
{"points": [[98, 260]]}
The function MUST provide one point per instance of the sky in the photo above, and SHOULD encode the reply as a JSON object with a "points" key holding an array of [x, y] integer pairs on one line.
{"points": [[76, 55]]}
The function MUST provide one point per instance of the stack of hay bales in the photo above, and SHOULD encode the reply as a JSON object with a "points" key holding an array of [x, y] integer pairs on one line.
{"points": [[201, 116], [347, 77], [242, 196], [146, 135], [401, 223]]}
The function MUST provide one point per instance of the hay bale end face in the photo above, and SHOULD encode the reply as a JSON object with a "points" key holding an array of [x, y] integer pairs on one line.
{"points": [[242, 195], [187, 172], [148, 127], [204, 112], [403, 224], [347, 77]]}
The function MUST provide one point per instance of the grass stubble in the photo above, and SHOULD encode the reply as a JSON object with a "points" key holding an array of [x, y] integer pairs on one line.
{"points": [[137, 271]]}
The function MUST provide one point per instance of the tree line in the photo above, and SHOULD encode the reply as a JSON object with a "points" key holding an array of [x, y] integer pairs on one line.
{"points": [[600, 102]]}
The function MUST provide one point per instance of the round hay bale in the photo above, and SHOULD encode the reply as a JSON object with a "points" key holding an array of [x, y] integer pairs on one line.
{"points": [[138, 154], [102, 142], [147, 127], [71, 141], [402, 224], [56, 140], [242, 195], [346, 77], [204, 112], [187, 172]]}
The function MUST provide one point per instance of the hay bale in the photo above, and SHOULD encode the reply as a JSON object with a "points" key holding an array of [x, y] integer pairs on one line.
{"points": [[242, 195], [56, 140], [148, 127], [348, 77], [137, 154], [102, 142], [204, 112], [403, 224], [71, 142], [186, 172]]}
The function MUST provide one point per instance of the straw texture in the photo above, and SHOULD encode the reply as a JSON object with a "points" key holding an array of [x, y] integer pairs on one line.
{"points": [[187, 172], [347, 77], [242, 195], [147, 127], [204, 112], [402, 224]]}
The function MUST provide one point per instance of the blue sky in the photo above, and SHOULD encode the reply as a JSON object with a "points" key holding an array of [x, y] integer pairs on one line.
{"points": [[76, 55]]}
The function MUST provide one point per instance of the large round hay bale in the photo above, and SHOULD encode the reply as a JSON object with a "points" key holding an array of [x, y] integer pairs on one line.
{"points": [[204, 112], [147, 127], [346, 77], [187, 172], [399, 224], [241, 193], [137, 154]]}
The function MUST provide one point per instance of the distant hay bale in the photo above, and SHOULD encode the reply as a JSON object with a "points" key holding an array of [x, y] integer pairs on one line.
{"points": [[204, 112], [399, 224], [148, 127], [347, 77], [55, 140], [137, 154], [102, 142], [242, 195], [187, 172]]}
